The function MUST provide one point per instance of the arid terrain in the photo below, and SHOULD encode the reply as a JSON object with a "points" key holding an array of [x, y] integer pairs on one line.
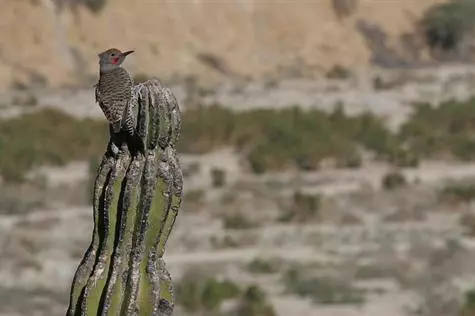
{"points": [[386, 249], [328, 155], [212, 40]]}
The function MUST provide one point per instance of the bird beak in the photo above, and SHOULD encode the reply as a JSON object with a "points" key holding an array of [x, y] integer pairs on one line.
{"points": [[127, 53]]}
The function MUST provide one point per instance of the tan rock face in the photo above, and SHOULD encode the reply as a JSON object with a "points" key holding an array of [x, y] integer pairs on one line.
{"points": [[248, 38]]}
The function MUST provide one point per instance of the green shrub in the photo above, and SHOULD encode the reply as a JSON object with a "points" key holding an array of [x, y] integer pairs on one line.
{"points": [[303, 208], [468, 307], [467, 221], [200, 294], [254, 303], [446, 130], [289, 138], [47, 137], [338, 71], [322, 290], [27, 100], [262, 266], [344, 8], [352, 160], [446, 24], [218, 177], [393, 180], [237, 221], [94, 5], [372, 271], [463, 147], [458, 192], [401, 157]]}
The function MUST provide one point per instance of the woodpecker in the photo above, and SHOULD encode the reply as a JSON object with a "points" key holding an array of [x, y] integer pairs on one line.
{"points": [[113, 92]]}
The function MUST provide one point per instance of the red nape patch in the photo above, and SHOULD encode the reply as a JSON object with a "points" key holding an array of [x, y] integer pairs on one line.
{"points": [[115, 60]]}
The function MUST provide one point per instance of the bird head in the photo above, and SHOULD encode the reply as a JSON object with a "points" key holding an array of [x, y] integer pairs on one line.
{"points": [[112, 58]]}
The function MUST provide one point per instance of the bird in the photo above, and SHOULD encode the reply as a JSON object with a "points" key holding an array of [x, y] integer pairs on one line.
{"points": [[113, 92]]}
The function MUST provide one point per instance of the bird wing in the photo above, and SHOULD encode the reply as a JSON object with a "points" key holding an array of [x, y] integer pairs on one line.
{"points": [[97, 94], [115, 94]]}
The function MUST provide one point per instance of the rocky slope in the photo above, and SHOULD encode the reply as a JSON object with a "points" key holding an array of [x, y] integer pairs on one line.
{"points": [[44, 45]]}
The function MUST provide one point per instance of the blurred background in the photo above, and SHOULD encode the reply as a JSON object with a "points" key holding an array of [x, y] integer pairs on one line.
{"points": [[328, 149]]}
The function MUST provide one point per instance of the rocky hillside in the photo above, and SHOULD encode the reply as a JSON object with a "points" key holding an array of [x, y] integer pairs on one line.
{"points": [[43, 44]]}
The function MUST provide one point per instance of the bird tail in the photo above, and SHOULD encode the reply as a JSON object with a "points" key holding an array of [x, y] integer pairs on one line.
{"points": [[116, 126]]}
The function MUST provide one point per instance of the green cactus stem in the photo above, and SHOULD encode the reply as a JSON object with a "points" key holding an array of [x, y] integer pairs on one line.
{"points": [[136, 201]]}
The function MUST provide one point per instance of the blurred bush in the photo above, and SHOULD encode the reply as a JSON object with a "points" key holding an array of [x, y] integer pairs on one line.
{"points": [[304, 207], [269, 139], [47, 137], [204, 295], [254, 303], [468, 308], [218, 177], [200, 295], [262, 266], [447, 25], [322, 290], [338, 72], [291, 137], [393, 180], [237, 221], [344, 8], [467, 221], [443, 131], [458, 192]]}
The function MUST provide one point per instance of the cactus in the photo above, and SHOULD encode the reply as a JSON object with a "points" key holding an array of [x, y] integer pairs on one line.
{"points": [[136, 201]]}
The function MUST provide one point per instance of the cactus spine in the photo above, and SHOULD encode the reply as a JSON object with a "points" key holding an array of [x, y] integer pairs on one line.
{"points": [[136, 201]]}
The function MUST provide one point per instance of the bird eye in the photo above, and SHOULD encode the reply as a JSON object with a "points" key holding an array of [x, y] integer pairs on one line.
{"points": [[113, 54]]}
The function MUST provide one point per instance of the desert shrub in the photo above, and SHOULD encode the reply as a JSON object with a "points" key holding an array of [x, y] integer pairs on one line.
{"points": [[254, 303], [237, 221], [201, 294], [218, 177], [303, 207], [446, 24], [262, 266], [401, 157], [373, 271], [15, 204], [468, 307], [273, 140], [47, 137], [322, 290], [463, 147], [94, 5], [206, 128], [440, 131], [393, 180], [286, 138], [458, 192], [467, 221], [338, 72], [351, 160], [26, 100], [344, 8]]}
